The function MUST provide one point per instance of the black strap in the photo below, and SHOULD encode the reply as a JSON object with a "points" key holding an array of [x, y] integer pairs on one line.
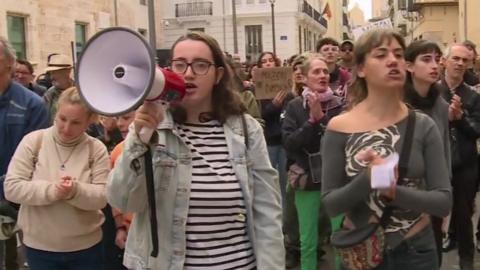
{"points": [[245, 132], [403, 162], [407, 145], [151, 201]]}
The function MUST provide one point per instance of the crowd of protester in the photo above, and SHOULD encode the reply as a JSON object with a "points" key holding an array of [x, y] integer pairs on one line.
{"points": [[242, 183]]}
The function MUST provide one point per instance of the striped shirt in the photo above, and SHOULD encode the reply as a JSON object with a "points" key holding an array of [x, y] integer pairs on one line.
{"points": [[217, 222]]}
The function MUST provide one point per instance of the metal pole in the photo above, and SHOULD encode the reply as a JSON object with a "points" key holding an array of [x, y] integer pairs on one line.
{"points": [[234, 22], [224, 27], [465, 32], [272, 3], [115, 9], [151, 26]]}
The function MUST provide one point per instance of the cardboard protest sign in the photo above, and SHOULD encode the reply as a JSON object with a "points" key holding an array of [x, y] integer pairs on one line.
{"points": [[270, 81], [385, 23]]}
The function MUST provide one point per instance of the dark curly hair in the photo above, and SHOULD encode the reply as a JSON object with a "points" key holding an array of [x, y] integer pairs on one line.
{"points": [[259, 61], [225, 101]]}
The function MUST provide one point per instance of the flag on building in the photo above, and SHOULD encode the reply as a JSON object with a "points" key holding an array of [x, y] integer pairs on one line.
{"points": [[327, 11]]}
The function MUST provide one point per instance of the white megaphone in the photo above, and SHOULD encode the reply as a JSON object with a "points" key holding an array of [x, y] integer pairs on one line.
{"points": [[117, 72]]}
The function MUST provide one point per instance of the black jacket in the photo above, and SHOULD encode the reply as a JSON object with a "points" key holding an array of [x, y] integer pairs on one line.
{"points": [[272, 115], [300, 136], [466, 130]]}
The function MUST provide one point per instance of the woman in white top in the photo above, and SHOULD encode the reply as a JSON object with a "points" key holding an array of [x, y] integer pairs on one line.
{"points": [[58, 177]]}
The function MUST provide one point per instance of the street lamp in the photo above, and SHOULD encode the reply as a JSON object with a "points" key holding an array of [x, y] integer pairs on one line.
{"points": [[272, 5], [234, 22], [151, 26]]}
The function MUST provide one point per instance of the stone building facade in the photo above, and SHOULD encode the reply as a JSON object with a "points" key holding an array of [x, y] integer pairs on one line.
{"points": [[50, 26], [298, 24]]}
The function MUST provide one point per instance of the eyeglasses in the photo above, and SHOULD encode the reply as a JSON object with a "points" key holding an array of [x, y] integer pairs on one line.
{"points": [[346, 49], [199, 67]]}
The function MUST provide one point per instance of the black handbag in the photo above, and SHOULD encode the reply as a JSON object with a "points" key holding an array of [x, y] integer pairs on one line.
{"points": [[363, 248]]}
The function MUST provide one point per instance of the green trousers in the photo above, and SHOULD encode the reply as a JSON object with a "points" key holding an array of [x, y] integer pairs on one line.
{"points": [[308, 209]]}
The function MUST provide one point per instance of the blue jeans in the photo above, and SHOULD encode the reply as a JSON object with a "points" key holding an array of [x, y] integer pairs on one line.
{"points": [[416, 253], [278, 159], [90, 258]]}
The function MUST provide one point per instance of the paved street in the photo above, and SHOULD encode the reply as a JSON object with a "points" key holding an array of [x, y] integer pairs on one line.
{"points": [[450, 260]]}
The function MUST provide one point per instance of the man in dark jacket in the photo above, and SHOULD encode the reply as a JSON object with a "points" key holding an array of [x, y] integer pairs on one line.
{"points": [[59, 68], [24, 75], [21, 111], [464, 116], [339, 76]]}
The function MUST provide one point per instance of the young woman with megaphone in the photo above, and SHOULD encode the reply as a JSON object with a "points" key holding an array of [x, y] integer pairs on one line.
{"points": [[217, 196]]}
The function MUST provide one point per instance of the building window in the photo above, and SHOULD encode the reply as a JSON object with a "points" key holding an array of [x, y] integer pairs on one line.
{"points": [[262, 1], [300, 39], [80, 37], [143, 2], [250, 1], [253, 41], [16, 35], [305, 42]]}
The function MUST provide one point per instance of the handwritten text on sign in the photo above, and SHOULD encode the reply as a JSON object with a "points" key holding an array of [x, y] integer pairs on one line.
{"points": [[385, 23], [270, 81]]}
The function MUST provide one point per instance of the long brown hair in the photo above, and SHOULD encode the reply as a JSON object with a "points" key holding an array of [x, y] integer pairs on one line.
{"points": [[225, 102], [259, 61], [358, 90]]}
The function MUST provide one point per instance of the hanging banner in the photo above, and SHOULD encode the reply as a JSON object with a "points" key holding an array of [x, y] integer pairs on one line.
{"points": [[385, 23]]}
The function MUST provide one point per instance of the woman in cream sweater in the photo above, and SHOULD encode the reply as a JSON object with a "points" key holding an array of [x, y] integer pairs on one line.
{"points": [[58, 176]]}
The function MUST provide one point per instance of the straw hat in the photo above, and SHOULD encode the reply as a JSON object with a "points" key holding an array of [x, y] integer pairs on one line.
{"points": [[58, 62]]}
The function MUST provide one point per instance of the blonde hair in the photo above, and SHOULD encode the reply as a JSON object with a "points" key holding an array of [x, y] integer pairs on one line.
{"points": [[307, 60], [71, 96]]}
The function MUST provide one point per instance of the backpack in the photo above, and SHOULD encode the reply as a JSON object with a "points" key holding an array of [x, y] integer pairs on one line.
{"points": [[8, 211], [38, 146]]}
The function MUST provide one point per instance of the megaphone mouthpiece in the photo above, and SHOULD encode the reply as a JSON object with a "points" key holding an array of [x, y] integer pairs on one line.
{"points": [[167, 86]]}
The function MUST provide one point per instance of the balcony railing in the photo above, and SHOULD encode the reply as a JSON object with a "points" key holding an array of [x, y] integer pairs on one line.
{"points": [[314, 14], [415, 5], [194, 9], [440, 2]]}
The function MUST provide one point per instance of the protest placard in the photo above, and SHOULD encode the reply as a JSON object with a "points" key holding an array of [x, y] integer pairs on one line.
{"points": [[270, 81], [385, 23]]}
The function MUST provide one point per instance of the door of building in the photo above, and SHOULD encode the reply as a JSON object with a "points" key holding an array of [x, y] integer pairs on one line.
{"points": [[253, 42]]}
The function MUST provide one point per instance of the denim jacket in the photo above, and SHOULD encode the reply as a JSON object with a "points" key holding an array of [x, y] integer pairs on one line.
{"points": [[126, 190]]}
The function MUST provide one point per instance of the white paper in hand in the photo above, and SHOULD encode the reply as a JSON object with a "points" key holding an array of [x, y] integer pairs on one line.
{"points": [[383, 175]]}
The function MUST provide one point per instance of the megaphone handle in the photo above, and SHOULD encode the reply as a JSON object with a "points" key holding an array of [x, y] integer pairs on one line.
{"points": [[145, 134]]}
